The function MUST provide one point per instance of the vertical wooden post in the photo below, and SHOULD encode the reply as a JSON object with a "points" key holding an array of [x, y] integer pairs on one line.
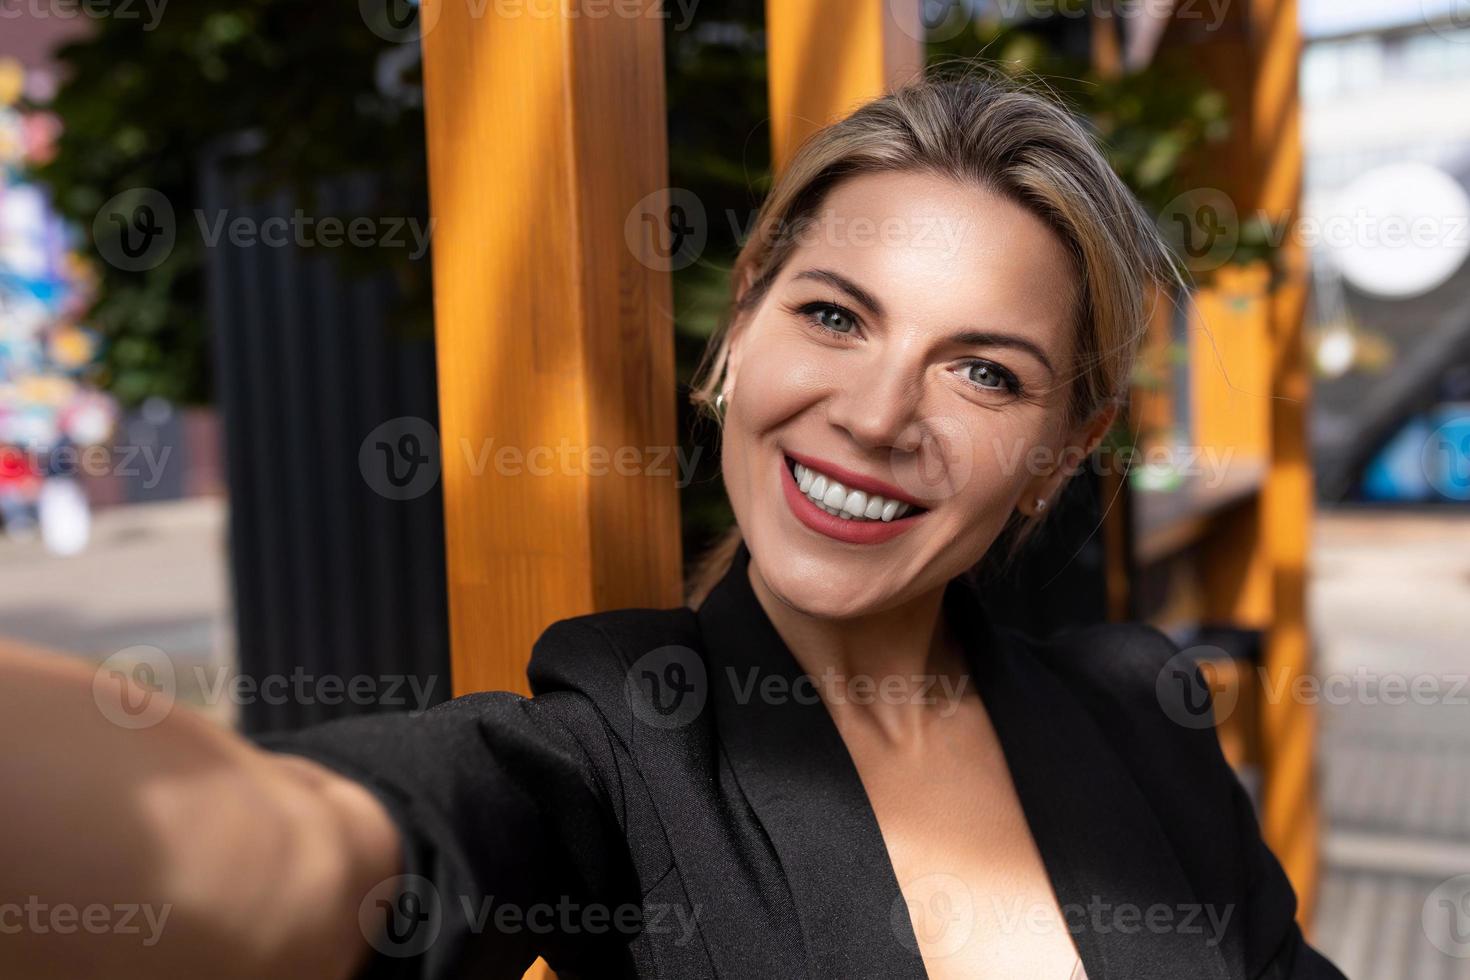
{"points": [[547, 139], [1290, 807], [825, 59], [1256, 561]]}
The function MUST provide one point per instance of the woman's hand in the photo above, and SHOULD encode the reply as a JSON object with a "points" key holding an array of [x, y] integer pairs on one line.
{"points": [[177, 849]]}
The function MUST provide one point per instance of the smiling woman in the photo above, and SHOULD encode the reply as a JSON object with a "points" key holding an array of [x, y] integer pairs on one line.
{"points": [[940, 283], [831, 763]]}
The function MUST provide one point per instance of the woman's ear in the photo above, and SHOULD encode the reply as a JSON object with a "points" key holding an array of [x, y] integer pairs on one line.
{"points": [[1096, 429], [732, 358], [737, 336], [1078, 447], [745, 279]]}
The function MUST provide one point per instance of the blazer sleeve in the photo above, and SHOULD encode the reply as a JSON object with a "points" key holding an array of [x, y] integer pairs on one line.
{"points": [[1274, 947], [510, 845], [1277, 950], [1117, 669]]}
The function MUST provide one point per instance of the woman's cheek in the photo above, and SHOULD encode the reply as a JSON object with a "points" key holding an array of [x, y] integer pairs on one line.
{"points": [[778, 377], [999, 462]]}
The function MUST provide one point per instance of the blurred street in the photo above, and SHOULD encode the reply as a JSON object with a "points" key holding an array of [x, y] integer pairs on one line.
{"points": [[154, 574], [1391, 598]]}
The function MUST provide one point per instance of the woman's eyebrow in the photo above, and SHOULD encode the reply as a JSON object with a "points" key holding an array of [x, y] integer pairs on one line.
{"points": [[846, 285], [966, 338], [980, 338]]}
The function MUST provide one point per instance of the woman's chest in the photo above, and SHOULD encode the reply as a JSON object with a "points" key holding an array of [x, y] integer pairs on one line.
{"points": [[974, 886]]}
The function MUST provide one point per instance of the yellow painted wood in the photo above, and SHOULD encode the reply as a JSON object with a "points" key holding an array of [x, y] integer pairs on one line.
{"points": [[555, 340], [827, 58], [1255, 560], [546, 136], [1230, 363]]}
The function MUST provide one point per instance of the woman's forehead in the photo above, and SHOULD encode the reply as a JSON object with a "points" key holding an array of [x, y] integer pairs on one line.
{"points": [[937, 250]]}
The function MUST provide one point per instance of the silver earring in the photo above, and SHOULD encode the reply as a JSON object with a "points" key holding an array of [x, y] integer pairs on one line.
{"points": [[720, 404], [1040, 504]]}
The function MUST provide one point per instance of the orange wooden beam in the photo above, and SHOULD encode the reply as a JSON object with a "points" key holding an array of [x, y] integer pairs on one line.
{"points": [[555, 339], [825, 59], [547, 150], [1254, 402]]}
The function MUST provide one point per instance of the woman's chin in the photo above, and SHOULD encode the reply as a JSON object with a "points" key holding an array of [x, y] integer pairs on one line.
{"points": [[822, 593]]}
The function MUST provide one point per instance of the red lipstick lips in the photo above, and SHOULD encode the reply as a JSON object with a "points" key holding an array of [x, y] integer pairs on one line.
{"points": [[851, 531]]}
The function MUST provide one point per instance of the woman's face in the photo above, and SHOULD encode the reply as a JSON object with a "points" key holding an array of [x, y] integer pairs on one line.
{"points": [[918, 342]]}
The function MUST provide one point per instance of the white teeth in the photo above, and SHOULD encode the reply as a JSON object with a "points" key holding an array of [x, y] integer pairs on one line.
{"points": [[850, 505]]}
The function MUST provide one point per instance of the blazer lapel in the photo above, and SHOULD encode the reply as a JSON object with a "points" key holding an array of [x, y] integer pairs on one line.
{"points": [[1108, 859], [796, 773], [1133, 913]]}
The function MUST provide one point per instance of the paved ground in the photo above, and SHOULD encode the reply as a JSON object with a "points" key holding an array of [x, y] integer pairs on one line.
{"points": [[1391, 598], [154, 574]]}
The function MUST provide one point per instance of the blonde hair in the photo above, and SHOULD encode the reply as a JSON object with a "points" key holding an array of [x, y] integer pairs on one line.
{"points": [[983, 127]]}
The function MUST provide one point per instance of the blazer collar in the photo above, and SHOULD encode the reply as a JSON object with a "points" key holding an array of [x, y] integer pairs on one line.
{"points": [[1105, 853]]}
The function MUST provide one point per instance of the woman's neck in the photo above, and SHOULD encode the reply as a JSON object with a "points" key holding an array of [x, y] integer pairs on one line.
{"points": [[900, 668]]}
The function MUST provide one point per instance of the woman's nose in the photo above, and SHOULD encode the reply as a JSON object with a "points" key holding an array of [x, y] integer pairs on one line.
{"points": [[878, 404]]}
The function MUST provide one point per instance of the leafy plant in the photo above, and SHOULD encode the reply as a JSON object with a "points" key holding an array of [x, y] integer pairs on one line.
{"points": [[321, 94]]}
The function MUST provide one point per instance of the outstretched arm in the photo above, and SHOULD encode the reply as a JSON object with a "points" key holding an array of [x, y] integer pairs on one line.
{"points": [[177, 849]]}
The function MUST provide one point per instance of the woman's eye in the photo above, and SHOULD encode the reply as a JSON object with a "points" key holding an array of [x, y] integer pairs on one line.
{"points": [[992, 376], [833, 318]]}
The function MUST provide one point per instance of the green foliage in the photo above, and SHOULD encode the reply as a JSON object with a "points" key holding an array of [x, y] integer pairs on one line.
{"points": [[141, 107], [1151, 122]]}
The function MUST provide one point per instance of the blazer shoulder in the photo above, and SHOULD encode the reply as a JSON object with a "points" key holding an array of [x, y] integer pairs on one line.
{"points": [[1149, 698], [594, 652], [1129, 666]]}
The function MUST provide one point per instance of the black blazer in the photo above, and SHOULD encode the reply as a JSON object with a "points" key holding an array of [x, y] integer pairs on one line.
{"points": [[675, 803]]}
